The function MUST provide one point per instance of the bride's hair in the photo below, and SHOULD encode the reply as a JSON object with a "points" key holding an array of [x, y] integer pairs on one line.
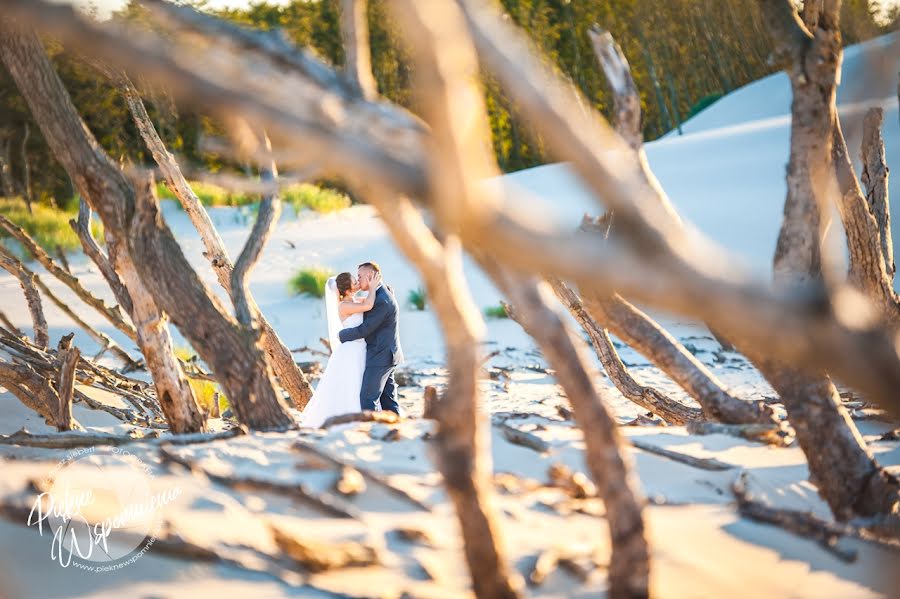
{"points": [[344, 282]]}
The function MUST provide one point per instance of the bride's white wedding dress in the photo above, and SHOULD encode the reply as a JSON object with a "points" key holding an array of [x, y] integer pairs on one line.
{"points": [[338, 389]]}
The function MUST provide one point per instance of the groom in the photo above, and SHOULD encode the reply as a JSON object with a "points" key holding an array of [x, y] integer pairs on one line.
{"points": [[381, 330]]}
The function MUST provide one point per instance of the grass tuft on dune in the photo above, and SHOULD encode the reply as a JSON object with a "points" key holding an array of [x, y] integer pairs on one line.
{"points": [[48, 226], [310, 281]]}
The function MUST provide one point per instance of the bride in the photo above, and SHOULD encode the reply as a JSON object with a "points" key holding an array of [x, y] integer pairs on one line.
{"points": [[338, 389]]}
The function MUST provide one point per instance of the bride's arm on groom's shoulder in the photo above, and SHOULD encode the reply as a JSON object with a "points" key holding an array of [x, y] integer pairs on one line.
{"points": [[350, 307]]}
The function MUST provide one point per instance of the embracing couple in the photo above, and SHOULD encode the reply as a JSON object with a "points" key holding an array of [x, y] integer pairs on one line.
{"points": [[365, 348]]}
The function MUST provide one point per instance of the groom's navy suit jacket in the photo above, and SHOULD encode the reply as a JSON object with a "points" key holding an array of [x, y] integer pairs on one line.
{"points": [[381, 331]]}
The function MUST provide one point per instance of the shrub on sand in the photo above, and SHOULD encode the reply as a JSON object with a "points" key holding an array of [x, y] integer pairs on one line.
{"points": [[417, 299], [498, 311], [310, 281], [313, 197], [209, 194]]}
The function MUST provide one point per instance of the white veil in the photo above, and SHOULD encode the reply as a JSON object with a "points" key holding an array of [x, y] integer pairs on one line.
{"points": [[332, 313]]}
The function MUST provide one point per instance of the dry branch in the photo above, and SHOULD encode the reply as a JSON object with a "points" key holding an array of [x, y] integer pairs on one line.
{"points": [[26, 280], [517, 436], [74, 439], [369, 475], [112, 314], [82, 227], [385, 417], [10, 326], [227, 348], [102, 185], [105, 342], [702, 463], [762, 433], [325, 502], [670, 410], [320, 556], [626, 98], [245, 309]]}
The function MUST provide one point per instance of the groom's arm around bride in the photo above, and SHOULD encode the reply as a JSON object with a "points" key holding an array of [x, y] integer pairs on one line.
{"points": [[380, 329]]}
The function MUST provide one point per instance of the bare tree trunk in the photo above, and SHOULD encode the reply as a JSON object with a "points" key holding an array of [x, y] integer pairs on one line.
{"points": [[67, 357], [648, 398], [875, 179], [461, 442], [629, 568], [26, 167], [628, 323], [229, 350], [100, 182], [290, 377], [847, 476], [358, 64], [26, 279], [7, 184]]}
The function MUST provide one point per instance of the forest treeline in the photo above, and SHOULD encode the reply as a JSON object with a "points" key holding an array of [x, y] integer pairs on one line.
{"points": [[684, 55]]}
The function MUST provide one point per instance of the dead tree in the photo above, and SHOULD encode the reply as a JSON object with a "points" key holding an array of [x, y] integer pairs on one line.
{"points": [[875, 179], [103, 185], [846, 474], [289, 374], [358, 62], [629, 323], [629, 567], [7, 183]]}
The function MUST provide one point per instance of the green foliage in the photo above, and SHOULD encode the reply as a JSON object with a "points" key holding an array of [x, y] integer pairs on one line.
{"points": [[48, 226], [313, 197], [304, 195], [498, 311], [310, 281], [209, 194], [204, 391], [417, 299]]}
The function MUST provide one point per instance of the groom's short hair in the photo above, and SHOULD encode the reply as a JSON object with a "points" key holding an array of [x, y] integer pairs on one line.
{"points": [[371, 265]]}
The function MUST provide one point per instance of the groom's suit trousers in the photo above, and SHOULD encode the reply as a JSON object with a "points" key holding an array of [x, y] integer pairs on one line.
{"points": [[378, 387]]}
